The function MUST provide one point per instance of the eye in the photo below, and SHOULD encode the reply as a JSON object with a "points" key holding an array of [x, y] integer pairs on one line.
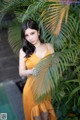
{"points": [[32, 33], [26, 35]]}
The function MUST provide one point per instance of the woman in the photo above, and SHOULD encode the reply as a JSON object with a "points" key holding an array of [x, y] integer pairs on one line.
{"points": [[31, 53]]}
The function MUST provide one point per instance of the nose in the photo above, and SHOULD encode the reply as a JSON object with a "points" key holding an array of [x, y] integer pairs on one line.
{"points": [[30, 38]]}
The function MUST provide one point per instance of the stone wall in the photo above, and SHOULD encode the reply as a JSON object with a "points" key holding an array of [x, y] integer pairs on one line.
{"points": [[8, 61]]}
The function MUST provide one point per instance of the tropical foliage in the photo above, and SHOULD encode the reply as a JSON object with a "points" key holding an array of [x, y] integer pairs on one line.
{"points": [[59, 23]]}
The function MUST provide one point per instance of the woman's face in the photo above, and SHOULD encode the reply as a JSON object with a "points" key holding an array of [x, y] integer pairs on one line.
{"points": [[32, 36]]}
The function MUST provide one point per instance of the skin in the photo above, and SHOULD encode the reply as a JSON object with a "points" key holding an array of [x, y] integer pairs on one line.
{"points": [[32, 36]]}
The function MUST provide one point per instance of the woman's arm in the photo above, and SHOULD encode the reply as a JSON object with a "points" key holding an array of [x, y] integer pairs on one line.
{"points": [[22, 67]]}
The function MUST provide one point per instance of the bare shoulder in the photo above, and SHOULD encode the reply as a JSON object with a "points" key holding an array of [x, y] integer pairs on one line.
{"points": [[50, 47], [21, 53]]}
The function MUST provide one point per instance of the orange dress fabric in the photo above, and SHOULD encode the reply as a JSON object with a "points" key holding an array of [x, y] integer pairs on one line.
{"points": [[32, 110]]}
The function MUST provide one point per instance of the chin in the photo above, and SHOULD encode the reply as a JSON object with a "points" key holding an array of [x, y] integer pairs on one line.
{"points": [[34, 43]]}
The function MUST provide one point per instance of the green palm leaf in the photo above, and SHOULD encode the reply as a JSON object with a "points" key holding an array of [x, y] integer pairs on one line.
{"points": [[73, 93], [13, 5], [14, 37], [33, 9], [50, 70], [65, 37]]}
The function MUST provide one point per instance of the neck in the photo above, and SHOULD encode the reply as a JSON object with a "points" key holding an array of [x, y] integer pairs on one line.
{"points": [[38, 44]]}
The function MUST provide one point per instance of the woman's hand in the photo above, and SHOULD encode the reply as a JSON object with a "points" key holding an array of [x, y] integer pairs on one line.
{"points": [[35, 71]]}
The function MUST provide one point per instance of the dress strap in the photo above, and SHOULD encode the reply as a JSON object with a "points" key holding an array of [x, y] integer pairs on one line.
{"points": [[47, 48]]}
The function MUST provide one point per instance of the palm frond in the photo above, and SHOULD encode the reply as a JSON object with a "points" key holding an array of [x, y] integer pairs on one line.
{"points": [[54, 15], [50, 13], [33, 10], [65, 37], [77, 70], [14, 37], [19, 14], [9, 5], [51, 69], [73, 93]]}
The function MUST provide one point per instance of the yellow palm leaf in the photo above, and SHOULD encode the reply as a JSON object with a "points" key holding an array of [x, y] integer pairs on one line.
{"points": [[39, 84], [62, 15], [54, 15]]}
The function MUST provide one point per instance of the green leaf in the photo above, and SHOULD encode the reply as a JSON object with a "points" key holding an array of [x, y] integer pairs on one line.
{"points": [[15, 37]]}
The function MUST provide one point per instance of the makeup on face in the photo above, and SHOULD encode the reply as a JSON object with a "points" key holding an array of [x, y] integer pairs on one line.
{"points": [[32, 35]]}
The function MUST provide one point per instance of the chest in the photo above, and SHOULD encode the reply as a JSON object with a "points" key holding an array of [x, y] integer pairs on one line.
{"points": [[41, 53]]}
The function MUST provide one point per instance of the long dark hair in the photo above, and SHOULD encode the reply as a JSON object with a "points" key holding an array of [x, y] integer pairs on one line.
{"points": [[28, 48]]}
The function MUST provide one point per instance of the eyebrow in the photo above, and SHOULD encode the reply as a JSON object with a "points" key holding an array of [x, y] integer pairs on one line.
{"points": [[26, 34]]}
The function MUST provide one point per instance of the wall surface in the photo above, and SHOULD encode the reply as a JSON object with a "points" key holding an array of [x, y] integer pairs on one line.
{"points": [[8, 61]]}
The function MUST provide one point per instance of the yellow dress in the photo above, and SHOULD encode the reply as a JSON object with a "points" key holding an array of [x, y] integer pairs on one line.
{"points": [[32, 110]]}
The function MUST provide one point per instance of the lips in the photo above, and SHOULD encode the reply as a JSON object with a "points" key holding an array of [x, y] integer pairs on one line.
{"points": [[32, 41]]}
